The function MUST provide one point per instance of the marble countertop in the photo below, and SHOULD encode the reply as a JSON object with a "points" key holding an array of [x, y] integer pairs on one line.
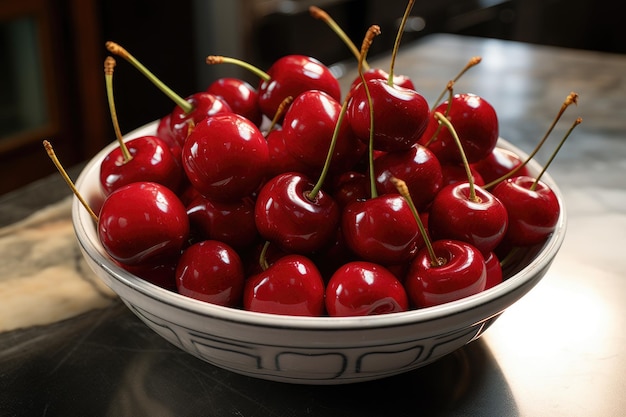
{"points": [[70, 347]]}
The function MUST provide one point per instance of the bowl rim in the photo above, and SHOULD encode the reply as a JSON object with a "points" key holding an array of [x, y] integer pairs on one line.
{"points": [[81, 221]]}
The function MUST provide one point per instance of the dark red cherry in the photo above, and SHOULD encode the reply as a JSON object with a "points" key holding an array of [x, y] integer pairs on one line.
{"points": [[160, 274], [351, 186], [364, 288], [151, 160], [417, 167], [291, 286], [475, 122], [225, 157], [229, 222], [292, 75], [499, 163], [242, 98], [494, 270], [281, 161], [400, 115], [211, 271], [204, 105], [308, 129], [533, 212], [381, 230], [286, 216], [482, 221], [143, 223], [461, 273], [453, 174]]}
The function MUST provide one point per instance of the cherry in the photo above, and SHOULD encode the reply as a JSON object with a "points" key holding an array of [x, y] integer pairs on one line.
{"points": [[229, 222], [203, 105], [143, 223], [151, 160], [466, 212], [533, 209], [286, 214], [400, 115], [364, 288], [146, 158], [240, 96], [211, 271], [417, 166], [288, 76], [381, 229], [225, 157], [308, 128], [476, 124], [188, 111], [532, 205], [444, 270], [292, 286], [459, 272], [498, 164]]}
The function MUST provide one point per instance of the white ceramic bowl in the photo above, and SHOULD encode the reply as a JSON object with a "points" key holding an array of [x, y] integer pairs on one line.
{"points": [[323, 350]]}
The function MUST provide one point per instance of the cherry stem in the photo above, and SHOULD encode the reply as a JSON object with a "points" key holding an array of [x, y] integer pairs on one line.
{"points": [[263, 256], [572, 98], [556, 151], [320, 14], [48, 146], [372, 32], [470, 178], [219, 59], [118, 50], [403, 190], [450, 88], [282, 108], [331, 150], [475, 60], [109, 65], [396, 45]]}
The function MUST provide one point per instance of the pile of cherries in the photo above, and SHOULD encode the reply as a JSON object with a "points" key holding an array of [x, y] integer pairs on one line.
{"points": [[337, 207]]}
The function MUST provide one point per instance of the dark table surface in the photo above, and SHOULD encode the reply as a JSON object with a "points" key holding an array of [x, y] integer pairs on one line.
{"points": [[557, 352]]}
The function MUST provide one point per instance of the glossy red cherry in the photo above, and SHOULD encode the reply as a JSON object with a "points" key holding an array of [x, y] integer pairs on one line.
{"points": [[419, 169], [533, 210], [400, 115], [308, 129], [499, 163], [151, 160], [242, 98], [461, 272], [381, 230], [286, 216], [364, 288], [292, 286], [475, 122], [481, 221], [228, 222], [211, 271], [143, 223], [203, 106], [292, 75], [225, 157]]}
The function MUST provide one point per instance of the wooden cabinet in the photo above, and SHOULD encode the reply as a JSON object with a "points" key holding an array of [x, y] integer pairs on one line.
{"points": [[51, 87]]}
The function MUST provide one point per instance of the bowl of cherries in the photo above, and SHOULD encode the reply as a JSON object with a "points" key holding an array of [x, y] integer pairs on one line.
{"points": [[291, 233]]}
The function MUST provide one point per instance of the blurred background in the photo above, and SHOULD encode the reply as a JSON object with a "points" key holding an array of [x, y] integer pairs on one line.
{"points": [[52, 54]]}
